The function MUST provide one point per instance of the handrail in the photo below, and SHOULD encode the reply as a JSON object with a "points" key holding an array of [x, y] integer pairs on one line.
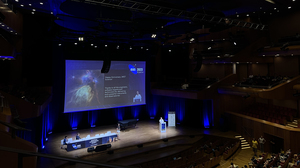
{"points": [[247, 132], [14, 128], [23, 153]]}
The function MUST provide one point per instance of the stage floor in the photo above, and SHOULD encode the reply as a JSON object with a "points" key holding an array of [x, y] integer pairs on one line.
{"points": [[125, 151]]}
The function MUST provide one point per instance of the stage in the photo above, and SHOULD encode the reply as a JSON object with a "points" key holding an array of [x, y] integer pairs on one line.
{"points": [[136, 145]]}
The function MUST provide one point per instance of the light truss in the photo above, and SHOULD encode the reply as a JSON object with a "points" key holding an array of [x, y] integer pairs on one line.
{"points": [[159, 10]]}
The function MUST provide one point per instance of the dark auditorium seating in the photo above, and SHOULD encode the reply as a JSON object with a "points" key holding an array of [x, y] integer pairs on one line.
{"points": [[276, 114]]}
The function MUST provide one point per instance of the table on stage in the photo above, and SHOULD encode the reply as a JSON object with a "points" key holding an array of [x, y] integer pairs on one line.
{"points": [[127, 123], [90, 141]]}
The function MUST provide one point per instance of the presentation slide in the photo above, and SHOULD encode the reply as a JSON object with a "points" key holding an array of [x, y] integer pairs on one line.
{"points": [[86, 88]]}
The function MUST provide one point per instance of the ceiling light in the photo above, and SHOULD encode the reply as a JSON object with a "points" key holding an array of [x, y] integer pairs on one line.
{"points": [[237, 15], [274, 8], [33, 10], [289, 7], [130, 48], [247, 15], [22, 5], [92, 45], [153, 35], [80, 39], [234, 43], [142, 47], [95, 46], [209, 48], [11, 31], [75, 43], [264, 55], [118, 47], [17, 0], [59, 44], [270, 1], [41, 3], [237, 62], [51, 13], [162, 27], [170, 50], [147, 49], [105, 45], [218, 56], [29, 4], [192, 39]]}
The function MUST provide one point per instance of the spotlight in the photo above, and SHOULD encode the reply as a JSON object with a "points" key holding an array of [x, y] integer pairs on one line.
{"points": [[105, 45], [153, 35], [234, 43], [289, 7], [59, 44], [50, 132], [75, 43], [118, 47], [46, 139], [41, 3], [43, 147], [192, 39], [209, 48], [170, 50], [80, 38], [92, 45]]}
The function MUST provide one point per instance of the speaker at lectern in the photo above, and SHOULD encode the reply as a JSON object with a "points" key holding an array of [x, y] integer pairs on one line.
{"points": [[162, 125]]}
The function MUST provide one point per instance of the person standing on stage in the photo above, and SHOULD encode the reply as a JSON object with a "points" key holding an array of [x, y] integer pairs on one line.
{"points": [[65, 142], [161, 120], [254, 146], [261, 141], [78, 136], [118, 131]]}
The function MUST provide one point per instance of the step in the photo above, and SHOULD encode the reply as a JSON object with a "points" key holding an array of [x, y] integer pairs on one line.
{"points": [[243, 140], [238, 136], [291, 125], [246, 147], [243, 143]]}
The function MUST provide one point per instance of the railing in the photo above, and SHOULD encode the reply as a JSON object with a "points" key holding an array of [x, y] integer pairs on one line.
{"points": [[23, 153]]}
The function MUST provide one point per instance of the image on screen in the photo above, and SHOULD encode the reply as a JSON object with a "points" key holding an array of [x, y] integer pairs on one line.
{"points": [[86, 88]]}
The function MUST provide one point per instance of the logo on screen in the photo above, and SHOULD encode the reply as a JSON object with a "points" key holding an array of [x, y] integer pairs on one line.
{"points": [[132, 69]]}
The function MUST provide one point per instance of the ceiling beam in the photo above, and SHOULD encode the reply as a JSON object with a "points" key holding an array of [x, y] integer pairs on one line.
{"points": [[160, 10]]}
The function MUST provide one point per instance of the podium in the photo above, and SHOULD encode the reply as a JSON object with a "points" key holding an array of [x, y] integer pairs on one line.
{"points": [[162, 127]]}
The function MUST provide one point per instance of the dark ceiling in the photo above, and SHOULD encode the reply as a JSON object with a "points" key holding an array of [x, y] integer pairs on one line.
{"points": [[137, 21]]}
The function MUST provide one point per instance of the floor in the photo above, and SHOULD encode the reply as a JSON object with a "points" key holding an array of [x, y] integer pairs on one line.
{"points": [[126, 152]]}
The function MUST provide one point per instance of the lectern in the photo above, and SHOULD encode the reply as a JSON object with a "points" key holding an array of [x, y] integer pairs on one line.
{"points": [[162, 126]]}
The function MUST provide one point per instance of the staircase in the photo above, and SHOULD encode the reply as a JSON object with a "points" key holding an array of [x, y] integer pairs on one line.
{"points": [[244, 143], [293, 124]]}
